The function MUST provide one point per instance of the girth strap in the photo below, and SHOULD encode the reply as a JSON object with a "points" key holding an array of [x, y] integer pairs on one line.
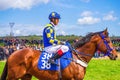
{"points": [[82, 63], [59, 70]]}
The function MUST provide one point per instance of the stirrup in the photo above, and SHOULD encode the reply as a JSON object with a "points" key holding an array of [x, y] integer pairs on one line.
{"points": [[52, 62]]}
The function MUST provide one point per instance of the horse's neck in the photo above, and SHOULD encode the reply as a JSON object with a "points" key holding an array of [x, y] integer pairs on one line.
{"points": [[88, 49]]}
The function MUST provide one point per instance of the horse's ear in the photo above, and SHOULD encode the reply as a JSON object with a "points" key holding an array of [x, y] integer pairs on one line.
{"points": [[106, 30]]}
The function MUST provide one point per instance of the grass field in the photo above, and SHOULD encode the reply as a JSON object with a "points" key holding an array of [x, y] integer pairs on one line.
{"points": [[98, 69]]}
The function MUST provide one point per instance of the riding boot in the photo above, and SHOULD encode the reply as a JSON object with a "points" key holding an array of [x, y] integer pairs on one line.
{"points": [[53, 58]]}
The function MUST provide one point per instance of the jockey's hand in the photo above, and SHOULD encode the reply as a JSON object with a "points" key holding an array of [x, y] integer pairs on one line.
{"points": [[62, 43]]}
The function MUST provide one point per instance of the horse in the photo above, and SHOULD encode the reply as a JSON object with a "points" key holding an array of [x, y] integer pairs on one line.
{"points": [[22, 64]]}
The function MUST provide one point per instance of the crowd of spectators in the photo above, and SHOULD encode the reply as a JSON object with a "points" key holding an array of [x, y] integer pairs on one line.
{"points": [[116, 43], [11, 45]]}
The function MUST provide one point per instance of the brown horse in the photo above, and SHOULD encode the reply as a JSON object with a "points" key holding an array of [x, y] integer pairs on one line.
{"points": [[22, 64]]}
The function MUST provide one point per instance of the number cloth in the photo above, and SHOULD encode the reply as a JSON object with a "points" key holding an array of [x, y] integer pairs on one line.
{"points": [[44, 65]]}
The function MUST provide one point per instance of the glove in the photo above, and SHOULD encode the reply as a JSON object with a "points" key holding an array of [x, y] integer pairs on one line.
{"points": [[62, 43]]}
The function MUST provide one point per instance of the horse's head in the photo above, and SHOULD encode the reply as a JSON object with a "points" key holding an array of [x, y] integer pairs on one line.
{"points": [[104, 44]]}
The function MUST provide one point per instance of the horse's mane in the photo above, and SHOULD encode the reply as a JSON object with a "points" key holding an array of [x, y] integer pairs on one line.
{"points": [[85, 39]]}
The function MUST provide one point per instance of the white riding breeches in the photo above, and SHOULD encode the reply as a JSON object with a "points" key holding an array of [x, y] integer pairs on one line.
{"points": [[55, 48]]}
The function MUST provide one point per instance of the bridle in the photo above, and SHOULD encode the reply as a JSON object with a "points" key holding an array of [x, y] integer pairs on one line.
{"points": [[109, 49]]}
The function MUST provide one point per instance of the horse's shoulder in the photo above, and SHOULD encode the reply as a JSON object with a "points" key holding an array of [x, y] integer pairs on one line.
{"points": [[33, 53]]}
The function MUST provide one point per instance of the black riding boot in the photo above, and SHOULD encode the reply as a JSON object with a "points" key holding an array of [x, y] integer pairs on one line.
{"points": [[53, 58]]}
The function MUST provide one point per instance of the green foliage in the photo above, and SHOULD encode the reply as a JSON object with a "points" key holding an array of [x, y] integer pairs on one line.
{"points": [[1, 44], [34, 37], [60, 37], [116, 44]]}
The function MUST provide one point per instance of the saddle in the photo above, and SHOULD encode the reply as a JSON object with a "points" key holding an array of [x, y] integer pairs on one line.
{"points": [[43, 63]]}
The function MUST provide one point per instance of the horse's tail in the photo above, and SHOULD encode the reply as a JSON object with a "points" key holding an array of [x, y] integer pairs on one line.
{"points": [[4, 73]]}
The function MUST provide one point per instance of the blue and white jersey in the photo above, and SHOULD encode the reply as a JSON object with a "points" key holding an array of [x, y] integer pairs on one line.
{"points": [[49, 36]]}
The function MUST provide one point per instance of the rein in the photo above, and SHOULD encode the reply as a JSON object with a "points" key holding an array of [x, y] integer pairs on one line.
{"points": [[80, 61], [76, 51]]}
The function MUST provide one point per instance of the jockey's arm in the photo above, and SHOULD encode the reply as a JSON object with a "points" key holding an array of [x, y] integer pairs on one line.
{"points": [[52, 37]]}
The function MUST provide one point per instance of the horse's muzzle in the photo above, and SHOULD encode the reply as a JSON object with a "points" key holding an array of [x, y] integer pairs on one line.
{"points": [[113, 57]]}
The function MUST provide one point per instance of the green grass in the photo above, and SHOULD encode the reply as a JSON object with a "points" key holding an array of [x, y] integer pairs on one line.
{"points": [[96, 70], [1, 67], [103, 70]]}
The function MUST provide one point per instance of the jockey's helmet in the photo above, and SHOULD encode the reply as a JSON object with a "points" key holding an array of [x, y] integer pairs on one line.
{"points": [[54, 15]]}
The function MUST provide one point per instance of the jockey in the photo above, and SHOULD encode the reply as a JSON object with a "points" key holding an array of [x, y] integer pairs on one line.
{"points": [[51, 44]]}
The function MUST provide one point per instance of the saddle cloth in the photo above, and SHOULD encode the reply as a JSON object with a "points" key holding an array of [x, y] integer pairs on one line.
{"points": [[44, 65]]}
